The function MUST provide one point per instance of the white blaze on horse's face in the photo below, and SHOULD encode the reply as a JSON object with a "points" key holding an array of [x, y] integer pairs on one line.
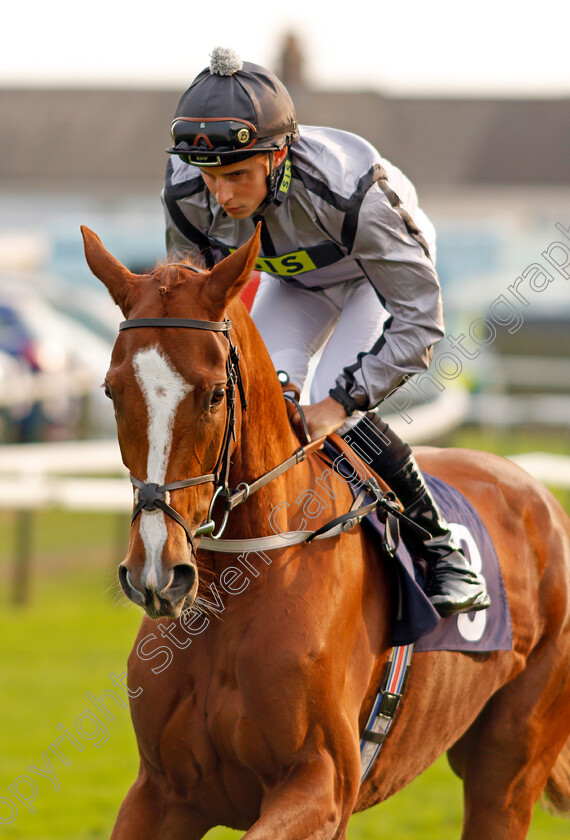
{"points": [[163, 389]]}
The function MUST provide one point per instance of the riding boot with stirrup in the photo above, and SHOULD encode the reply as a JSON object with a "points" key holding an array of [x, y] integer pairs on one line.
{"points": [[452, 585]]}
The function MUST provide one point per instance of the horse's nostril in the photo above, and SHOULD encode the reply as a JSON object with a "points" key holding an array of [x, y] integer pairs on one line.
{"points": [[123, 579], [130, 591], [122, 572], [180, 579], [183, 578]]}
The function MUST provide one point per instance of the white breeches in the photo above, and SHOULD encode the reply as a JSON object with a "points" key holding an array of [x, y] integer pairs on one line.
{"points": [[295, 324]]}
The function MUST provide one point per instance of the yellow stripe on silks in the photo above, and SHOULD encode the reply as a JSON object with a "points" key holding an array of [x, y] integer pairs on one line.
{"points": [[286, 180], [297, 262]]}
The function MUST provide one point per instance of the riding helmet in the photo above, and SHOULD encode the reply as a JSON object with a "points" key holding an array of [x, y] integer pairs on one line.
{"points": [[231, 111]]}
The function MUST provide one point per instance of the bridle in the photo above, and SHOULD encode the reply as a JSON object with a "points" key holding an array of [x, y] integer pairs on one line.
{"points": [[151, 496]]}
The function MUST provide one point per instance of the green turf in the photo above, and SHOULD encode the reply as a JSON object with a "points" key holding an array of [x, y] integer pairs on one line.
{"points": [[74, 633]]}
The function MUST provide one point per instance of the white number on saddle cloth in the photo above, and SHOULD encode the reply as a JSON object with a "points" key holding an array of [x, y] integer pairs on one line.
{"points": [[470, 625]]}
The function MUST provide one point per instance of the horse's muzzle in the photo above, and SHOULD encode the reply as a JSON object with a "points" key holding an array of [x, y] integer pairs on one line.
{"points": [[169, 597]]}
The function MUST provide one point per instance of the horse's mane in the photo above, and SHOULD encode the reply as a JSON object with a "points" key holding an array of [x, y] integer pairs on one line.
{"points": [[169, 273]]}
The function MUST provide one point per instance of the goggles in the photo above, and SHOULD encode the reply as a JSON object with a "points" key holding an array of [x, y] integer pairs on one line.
{"points": [[206, 141]]}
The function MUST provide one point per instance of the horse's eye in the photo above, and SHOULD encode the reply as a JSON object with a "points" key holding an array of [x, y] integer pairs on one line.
{"points": [[107, 391], [217, 396]]}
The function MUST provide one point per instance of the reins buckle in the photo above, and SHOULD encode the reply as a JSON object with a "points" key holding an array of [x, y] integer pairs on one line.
{"points": [[373, 489]]}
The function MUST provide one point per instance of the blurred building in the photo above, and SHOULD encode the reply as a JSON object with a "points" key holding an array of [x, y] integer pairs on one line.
{"points": [[114, 140], [494, 174], [291, 69]]}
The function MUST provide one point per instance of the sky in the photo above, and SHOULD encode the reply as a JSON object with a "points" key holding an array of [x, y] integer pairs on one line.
{"points": [[490, 47]]}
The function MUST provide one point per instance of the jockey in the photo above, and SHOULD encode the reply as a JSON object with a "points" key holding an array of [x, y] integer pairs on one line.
{"points": [[347, 263]]}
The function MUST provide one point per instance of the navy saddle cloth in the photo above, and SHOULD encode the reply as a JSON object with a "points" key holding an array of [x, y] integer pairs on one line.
{"points": [[417, 621]]}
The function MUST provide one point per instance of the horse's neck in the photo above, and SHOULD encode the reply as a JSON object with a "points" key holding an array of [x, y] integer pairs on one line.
{"points": [[266, 437]]}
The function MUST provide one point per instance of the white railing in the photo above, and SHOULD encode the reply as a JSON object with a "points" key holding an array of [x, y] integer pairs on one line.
{"points": [[38, 476], [549, 468], [28, 388], [90, 476]]}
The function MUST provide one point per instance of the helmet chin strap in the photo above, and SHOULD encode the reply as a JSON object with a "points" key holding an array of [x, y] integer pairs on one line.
{"points": [[271, 182]]}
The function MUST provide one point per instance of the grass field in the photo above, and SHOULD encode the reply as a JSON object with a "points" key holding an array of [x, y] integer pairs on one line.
{"points": [[56, 658]]}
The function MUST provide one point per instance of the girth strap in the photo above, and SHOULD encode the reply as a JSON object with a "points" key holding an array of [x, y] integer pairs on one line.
{"points": [[384, 707]]}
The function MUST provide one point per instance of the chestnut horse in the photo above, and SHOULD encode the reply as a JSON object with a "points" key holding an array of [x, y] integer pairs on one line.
{"points": [[248, 708]]}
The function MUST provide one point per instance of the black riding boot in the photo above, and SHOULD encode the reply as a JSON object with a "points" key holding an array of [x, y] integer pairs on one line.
{"points": [[452, 586]]}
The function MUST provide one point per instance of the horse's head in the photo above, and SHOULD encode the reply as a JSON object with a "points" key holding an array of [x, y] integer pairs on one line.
{"points": [[172, 388]]}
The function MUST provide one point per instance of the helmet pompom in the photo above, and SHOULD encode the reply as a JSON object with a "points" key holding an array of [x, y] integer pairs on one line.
{"points": [[224, 61]]}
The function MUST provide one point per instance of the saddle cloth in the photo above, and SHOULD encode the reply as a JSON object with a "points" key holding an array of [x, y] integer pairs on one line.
{"points": [[417, 621]]}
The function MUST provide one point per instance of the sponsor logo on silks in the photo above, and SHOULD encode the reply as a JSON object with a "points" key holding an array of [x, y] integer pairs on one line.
{"points": [[297, 262], [286, 179]]}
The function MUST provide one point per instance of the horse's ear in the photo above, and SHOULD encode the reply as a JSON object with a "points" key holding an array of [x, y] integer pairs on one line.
{"points": [[228, 277], [122, 285]]}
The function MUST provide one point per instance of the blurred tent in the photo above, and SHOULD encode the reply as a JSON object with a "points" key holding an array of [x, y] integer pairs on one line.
{"points": [[110, 141]]}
